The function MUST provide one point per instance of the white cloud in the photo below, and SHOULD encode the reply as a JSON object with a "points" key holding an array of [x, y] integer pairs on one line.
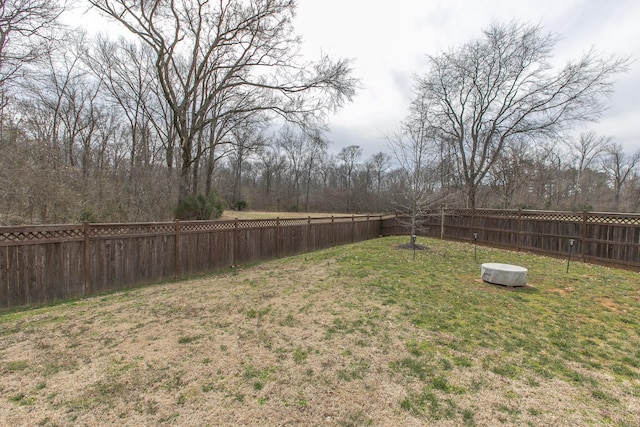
{"points": [[390, 40]]}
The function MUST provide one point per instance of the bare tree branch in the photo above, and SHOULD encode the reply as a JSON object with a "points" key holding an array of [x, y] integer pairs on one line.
{"points": [[491, 90]]}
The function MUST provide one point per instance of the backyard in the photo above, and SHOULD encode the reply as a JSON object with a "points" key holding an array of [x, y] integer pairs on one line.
{"points": [[363, 334]]}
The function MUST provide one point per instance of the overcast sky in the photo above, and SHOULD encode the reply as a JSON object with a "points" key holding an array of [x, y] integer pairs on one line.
{"points": [[389, 41]]}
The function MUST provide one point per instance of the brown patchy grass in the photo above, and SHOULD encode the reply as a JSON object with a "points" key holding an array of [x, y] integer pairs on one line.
{"points": [[267, 345], [336, 338]]}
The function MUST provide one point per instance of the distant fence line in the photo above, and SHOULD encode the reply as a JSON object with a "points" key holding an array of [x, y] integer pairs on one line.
{"points": [[611, 239], [44, 264]]}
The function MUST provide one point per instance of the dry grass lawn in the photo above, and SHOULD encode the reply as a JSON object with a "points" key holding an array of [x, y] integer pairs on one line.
{"points": [[291, 342]]}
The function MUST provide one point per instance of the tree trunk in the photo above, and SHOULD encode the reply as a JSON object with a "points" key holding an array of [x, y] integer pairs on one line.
{"points": [[471, 195], [184, 189]]}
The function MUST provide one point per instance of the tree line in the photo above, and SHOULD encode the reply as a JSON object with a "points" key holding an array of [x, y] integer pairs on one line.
{"points": [[209, 103]]}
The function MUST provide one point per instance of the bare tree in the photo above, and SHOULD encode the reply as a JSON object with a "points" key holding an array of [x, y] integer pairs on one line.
{"points": [[125, 68], [271, 165], [380, 163], [350, 157], [619, 167], [413, 147], [292, 143], [375, 169], [247, 140], [586, 152], [316, 146], [493, 89], [546, 178], [23, 24], [240, 53], [511, 173]]}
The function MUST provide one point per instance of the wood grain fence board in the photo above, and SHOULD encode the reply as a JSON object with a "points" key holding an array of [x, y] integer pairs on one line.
{"points": [[320, 236], [194, 251], [16, 276], [97, 273], [56, 285], [4, 277], [76, 276], [54, 266], [103, 271], [162, 258]]}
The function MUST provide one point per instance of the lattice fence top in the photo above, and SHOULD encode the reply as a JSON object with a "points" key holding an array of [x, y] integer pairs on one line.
{"points": [[591, 217], [613, 219], [490, 213], [552, 216], [200, 226], [58, 233], [110, 230], [36, 234]]}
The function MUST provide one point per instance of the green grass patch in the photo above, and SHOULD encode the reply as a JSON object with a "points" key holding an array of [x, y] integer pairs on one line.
{"points": [[16, 365], [300, 355], [188, 339]]}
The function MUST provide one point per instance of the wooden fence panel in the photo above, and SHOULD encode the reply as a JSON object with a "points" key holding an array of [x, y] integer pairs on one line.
{"points": [[610, 241], [253, 244], [205, 251], [194, 252], [290, 240], [343, 233], [324, 235], [71, 275], [364, 230], [39, 274], [548, 235], [42, 264], [99, 276], [221, 250], [314, 237], [459, 226], [604, 238], [17, 293]]}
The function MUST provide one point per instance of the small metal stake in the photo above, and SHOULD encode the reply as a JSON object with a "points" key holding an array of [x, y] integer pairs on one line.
{"points": [[475, 246], [571, 243], [413, 243]]}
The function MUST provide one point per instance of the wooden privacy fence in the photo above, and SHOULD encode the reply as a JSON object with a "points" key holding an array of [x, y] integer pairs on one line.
{"points": [[43, 264], [600, 238]]}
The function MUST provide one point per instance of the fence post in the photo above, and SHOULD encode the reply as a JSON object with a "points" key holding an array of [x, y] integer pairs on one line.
{"points": [[236, 242], [353, 228], [177, 249], [473, 222], [309, 234], [87, 260], [368, 228], [583, 243], [442, 223], [518, 230], [277, 237], [332, 240]]}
